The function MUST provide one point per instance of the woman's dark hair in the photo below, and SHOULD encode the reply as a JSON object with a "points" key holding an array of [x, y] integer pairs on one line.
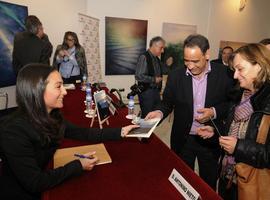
{"points": [[74, 36], [30, 88], [197, 40]]}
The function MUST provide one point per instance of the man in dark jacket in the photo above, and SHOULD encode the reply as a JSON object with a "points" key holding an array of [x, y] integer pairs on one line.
{"points": [[31, 46], [225, 55], [149, 75], [196, 93]]}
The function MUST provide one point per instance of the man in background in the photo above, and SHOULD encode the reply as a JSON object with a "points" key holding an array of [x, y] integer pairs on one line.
{"points": [[266, 42], [31, 46], [149, 75], [225, 55]]}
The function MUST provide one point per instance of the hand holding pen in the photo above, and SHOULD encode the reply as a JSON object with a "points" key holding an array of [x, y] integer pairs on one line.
{"points": [[88, 160]]}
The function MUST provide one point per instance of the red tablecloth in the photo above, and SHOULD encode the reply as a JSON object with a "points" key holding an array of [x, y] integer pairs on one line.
{"points": [[138, 171]]}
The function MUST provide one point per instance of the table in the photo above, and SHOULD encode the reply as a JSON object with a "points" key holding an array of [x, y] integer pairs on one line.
{"points": [[139, 170]]}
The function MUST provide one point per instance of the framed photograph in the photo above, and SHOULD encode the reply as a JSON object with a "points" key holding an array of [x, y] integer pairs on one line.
{"points": [[125, 41], [12, 17]]}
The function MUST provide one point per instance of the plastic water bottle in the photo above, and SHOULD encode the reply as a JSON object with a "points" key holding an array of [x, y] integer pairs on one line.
{"points": [[130, 108], [84, 80], [88, 97]]}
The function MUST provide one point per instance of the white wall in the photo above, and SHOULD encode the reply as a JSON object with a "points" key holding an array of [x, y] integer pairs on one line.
{"points": [[228, 23], [217, 19], [57, 17], [193, 12]]}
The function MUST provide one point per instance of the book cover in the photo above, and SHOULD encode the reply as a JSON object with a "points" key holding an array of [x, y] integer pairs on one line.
{"points": [[65, 155]]}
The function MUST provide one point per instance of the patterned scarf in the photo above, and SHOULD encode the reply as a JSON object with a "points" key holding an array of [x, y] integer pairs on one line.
{"points": [[238, 129]]}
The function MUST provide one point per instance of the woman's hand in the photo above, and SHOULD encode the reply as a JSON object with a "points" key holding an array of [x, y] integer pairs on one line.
{"points": [[125, 130], [228, 143], [205, 132], [90, 162]]}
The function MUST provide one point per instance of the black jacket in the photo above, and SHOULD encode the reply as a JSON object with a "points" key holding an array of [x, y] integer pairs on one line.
{"points": [[178, 96], [28, 48], [25, 158], [247, 150]]}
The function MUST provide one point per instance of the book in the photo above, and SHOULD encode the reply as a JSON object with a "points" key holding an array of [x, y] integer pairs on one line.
{"points": [[69, 86], [146, 128], [65, 155]]}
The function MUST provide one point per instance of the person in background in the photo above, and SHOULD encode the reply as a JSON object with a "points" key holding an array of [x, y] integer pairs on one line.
{"points": [[225, 54], [196, 93], [31, 135], [266, 42], [70, 59], [31, 46], [251, 64], [149, 75]]}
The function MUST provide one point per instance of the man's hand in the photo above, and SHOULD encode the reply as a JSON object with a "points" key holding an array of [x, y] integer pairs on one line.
{"points": [[205, 115], [158, 79], [154, 114], [125, 130], [205, 132]]}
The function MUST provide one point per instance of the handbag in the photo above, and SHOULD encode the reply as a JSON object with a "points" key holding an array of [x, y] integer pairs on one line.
{"points": [[253, 183]]}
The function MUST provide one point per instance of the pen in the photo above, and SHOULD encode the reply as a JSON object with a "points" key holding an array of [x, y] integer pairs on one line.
{"points": [[82, 156], [215, 126]]}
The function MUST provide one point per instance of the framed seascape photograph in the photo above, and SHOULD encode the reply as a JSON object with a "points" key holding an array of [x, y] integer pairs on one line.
{"points": [[12, 18], [125, 41]]}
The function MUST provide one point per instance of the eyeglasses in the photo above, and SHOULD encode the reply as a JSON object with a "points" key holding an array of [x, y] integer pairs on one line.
{"points": [[70, 39]]}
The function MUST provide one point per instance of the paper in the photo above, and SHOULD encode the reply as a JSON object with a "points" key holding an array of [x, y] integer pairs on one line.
{"points": [[146, 128], [69, 86], [64, 156]]}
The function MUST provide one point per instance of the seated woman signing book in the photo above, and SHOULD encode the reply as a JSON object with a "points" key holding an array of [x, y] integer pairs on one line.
{"points": [[31, 135]]}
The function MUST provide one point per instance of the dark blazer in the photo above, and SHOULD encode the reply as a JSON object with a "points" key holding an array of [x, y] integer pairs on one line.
{"points": [[28, 48], [219, 60], [25, 158], [178, 96]]}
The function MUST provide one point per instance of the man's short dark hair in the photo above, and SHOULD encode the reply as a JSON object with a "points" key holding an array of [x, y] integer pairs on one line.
{"points": [[32, 23], [265, 41], [227, 47], [156, 39], [197, 40]]}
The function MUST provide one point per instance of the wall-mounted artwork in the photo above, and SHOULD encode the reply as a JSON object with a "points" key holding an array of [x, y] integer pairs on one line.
{"points": [[234, 45], [12, 18], [125, 41], [174, 35]]}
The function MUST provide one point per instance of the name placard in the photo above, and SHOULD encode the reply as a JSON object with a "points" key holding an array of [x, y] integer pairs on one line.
{"points": [[186, 190]]}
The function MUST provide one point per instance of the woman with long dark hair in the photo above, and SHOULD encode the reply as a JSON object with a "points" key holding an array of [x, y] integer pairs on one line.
{"points": [[31, 135], [70, 58]]}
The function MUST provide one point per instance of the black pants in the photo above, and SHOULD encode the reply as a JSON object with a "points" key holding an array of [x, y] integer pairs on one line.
{"points": [[148, 100], [207, 159], [227, 193]]}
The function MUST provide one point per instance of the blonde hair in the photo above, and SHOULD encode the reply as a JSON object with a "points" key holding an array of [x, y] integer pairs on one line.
{"points": [[257, 54]]}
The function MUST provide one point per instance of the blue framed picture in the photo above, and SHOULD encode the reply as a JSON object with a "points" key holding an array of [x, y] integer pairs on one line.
{"points": [[12, 17]]}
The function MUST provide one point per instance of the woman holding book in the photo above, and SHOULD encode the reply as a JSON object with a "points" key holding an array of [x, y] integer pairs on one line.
{"points": [[251, 64], [31, 135]]}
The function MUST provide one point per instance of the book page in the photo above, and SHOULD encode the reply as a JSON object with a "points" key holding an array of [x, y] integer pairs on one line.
{"points": [[146, 128]]}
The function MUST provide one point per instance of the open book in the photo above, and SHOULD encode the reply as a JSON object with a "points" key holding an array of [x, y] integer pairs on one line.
{"points": [[146, 128], [63, 156]]}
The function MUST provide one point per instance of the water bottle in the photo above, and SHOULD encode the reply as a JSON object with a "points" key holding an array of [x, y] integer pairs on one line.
{"points": [[84, 80], [88, 97], [130, 107]]}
